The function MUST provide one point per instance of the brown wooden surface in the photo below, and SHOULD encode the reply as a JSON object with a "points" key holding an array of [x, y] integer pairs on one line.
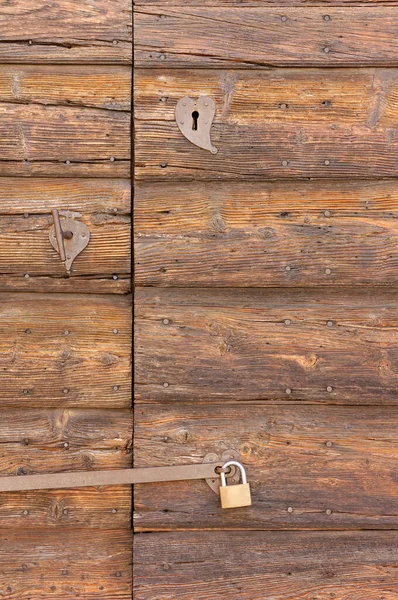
{"points": [[82, 563], [278, 565], [224, 36], [67, 85], [247, 234], [48, 441], [283, 123], [66, 31], [61, 350], [25, 249], [37, 139], [308, 466], [236, 345], [265, 3]]}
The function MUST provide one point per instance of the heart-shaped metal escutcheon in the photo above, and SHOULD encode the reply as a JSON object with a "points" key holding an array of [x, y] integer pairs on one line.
{"points": [[195, 118]]}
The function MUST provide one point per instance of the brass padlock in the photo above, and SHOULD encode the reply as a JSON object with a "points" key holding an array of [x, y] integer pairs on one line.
{"points": [[234, 496]]}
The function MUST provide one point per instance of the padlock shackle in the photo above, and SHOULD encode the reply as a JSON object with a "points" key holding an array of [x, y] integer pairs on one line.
{"points": [[234, 463]]}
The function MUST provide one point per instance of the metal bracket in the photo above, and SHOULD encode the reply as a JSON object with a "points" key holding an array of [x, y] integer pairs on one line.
{"points": [[232, 475], [195, 118], [68, 237]]}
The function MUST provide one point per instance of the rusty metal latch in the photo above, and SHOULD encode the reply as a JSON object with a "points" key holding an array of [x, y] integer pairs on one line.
{"points": [[195, 118], [68, 237]]}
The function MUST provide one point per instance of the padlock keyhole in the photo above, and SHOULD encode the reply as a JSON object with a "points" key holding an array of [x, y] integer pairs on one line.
{"points": [[195, 117]]}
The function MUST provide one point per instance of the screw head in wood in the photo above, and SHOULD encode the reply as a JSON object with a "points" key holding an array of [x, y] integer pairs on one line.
{"points": [[165, 385], [288, 391], [329, 388], [330, 323], [328, 271], [290, 509]]}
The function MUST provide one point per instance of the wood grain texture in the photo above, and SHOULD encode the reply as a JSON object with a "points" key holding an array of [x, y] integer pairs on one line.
{"points": [[91, 86], [277, 565], [283, 123], [51, 441], [26, 252], [345, 97], [266, 345], [218, 36], [65, 350], [67, 31], [63, 141], [267, 3], [81, 563], [301, 462], [247, 234]]}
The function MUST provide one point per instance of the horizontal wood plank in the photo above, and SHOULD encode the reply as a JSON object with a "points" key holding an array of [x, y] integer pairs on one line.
{"points": [[263, 345], [53, 441], [309, 467], [342, 97], [251, 234], [266, 3], [277, 565], [247, 37], [283, 123], [63, 141], [65, 350], [82, 563], [67, 31], [91, 86]]}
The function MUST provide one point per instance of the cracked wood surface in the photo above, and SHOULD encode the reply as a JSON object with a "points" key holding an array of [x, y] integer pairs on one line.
{"points": [[57, 440], [82, 563], [65, 121], [66, 31], [25, 221], [266, 345], [309, 467], [258, 234], [65, 350], [279, 565], [247, 37], [284, 123]]}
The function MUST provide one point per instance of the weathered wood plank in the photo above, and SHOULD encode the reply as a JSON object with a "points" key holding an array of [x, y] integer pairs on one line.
{"points": [[67, 31], [26, 252], [357, 97], [247, 234], [249, 37], [228, 345], [20, 196], [309, 467], [84, 86], [63, 141], [82, 563], [265, 3], [277, 565], [65, 350], [49, 441]]}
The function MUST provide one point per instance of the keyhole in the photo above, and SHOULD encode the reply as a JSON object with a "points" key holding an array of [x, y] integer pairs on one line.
{"points": [[195, 117]]}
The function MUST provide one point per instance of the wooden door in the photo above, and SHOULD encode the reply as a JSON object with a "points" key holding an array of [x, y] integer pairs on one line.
{"points": [[65, 343], [266, 304]]}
